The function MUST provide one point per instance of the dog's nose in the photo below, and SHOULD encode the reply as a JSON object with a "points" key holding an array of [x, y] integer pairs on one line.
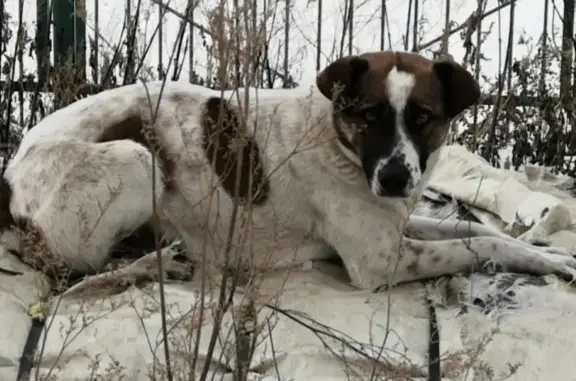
{"points": [[394, 179]]}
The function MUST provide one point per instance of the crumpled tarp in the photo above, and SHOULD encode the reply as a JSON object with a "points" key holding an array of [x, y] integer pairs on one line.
{"points": [[308, 324]]}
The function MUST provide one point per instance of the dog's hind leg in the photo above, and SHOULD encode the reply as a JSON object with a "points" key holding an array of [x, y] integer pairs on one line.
{"points": [[99, 194]]}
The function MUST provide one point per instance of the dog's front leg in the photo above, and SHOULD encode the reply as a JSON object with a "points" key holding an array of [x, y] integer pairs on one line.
{"points": [[369, 239], [426, 259], [399, 259]]}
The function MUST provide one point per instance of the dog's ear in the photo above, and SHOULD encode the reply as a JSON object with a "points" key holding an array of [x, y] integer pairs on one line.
{"points": [[460, 89], [339, 81]]}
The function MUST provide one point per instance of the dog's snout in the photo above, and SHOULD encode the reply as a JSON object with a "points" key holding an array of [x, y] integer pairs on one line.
{"points": [[393, 179]]}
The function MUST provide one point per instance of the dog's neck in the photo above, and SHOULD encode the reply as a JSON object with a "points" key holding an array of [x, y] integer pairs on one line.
{"points": [[344, 144]]}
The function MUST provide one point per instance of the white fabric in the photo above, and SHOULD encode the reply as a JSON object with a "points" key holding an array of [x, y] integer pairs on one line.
{"points": [[492, 327], [506, 200]]}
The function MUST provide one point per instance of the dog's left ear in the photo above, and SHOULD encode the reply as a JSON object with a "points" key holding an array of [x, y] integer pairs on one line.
{"points": [[460, 89], [339, 81]]}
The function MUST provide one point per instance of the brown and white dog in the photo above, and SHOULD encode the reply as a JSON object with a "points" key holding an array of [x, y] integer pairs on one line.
{"points": [[337, 166]]}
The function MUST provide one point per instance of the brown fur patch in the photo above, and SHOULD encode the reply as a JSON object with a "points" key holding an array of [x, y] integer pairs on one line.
{"points": [[234, 155], [135, 129]]}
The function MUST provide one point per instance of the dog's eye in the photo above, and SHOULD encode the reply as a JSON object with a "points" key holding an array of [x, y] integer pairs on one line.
{"points": [[370, 115], [373, 113], [421, 118], [362, 128]]}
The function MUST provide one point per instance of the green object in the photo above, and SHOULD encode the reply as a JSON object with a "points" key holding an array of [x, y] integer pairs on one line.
{"points": [[70, 34]]}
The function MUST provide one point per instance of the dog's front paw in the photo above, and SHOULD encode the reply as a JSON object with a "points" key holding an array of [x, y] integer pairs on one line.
{"points": [[562, 265], [179, 270], [381, 288], [544, 245], [540, 242]]}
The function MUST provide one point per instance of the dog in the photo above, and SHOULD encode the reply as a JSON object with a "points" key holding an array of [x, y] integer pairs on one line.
{"points": [[293, 177]]}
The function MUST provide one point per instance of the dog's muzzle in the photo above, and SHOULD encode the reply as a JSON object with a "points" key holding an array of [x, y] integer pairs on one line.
{"points": [[392, 179]]}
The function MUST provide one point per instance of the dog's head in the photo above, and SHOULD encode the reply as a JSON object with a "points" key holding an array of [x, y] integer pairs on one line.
{"points": [[392, 110]]}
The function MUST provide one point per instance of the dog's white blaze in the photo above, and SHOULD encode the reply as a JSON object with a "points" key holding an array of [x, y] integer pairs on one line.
{"points": [[375, 185], [399, 84]]}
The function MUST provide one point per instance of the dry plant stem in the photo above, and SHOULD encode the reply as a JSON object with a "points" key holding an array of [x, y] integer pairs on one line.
{"points": [[44, 71], [160, 273], [446, 32], [224, 301], [346, 22], [462, 26], [245, 327], [20, 50], [319, 35], [18, 43], [156, 237], [415, 27], [203, 281], [115, 59], [544, 47], [178, 43], [43, 344], [129, 72], [272, 346], [323, 332], [351, 26], [282, 76], [222, 306], [196, 350], [244, 344], [481, 4], [286, 39], [203, 275], [497, 106], [161, 44], [408, 17]]}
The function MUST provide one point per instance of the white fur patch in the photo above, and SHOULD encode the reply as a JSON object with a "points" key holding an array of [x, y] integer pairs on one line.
{"points": [[399, 84], [375, 184]]}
